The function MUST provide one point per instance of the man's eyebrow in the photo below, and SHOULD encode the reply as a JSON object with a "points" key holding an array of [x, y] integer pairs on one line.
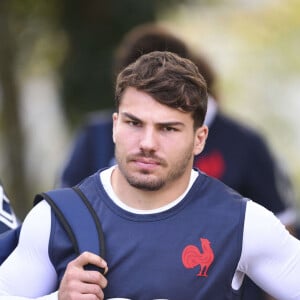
{"points": [[161, 124], [170, 124], [130, 116]]}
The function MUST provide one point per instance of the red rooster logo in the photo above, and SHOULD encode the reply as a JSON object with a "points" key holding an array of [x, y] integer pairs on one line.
{"points": [[192, 257]]}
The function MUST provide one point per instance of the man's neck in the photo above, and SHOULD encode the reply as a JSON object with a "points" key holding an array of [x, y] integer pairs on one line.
{"points": [[147, 200]]}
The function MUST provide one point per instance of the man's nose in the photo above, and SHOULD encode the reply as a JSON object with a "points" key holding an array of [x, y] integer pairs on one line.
{"points": [[149, 140]]}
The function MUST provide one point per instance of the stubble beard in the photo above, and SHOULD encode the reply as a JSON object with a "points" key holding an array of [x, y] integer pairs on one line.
{"points": [[148, 182]]}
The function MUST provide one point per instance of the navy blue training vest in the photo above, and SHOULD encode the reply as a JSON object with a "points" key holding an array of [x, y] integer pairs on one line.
{"points": [[190, 251]]}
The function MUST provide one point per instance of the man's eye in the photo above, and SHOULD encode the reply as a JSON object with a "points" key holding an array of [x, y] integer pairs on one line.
{"points": [[169, 128], [133, 123]]}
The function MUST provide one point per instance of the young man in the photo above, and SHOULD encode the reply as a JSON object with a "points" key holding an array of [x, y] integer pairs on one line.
{"points": [[171, 232]]}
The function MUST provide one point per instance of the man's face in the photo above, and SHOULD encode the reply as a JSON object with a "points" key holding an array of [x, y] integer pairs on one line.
{"points": [[155, 144]]}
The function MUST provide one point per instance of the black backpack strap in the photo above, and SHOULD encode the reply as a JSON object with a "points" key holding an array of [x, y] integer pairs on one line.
{"points": [[78, 218]]}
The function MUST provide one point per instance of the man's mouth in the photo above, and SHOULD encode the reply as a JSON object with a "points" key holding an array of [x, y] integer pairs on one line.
{"points": [[148, 163]]}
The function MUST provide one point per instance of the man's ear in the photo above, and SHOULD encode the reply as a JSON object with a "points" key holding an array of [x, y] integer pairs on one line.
{"points": [[200, 139], [115, 120]]}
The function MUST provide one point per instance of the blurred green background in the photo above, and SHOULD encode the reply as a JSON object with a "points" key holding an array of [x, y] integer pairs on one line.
{"points": [[56, 59]]}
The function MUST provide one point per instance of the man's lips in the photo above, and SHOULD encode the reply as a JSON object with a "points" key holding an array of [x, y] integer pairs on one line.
{"points": [[146, 162]]}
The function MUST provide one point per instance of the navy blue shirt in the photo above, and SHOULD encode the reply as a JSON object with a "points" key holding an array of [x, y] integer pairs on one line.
{"points": [[240, 158]]}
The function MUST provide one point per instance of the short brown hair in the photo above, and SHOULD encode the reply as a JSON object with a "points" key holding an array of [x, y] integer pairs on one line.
{"points": [[168, 78]]}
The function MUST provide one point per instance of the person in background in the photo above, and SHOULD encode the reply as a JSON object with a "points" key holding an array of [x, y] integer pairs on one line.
{"points": [[234, 152], [239, 156], [8, 219]]}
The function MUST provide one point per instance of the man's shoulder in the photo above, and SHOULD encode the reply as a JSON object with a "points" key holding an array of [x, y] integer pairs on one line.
{"points": [[218, 189], [99, 118], [236, 129], [98, 125]]}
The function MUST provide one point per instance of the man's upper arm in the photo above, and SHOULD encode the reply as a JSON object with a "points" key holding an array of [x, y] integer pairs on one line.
{"points": [[270, 255]]}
